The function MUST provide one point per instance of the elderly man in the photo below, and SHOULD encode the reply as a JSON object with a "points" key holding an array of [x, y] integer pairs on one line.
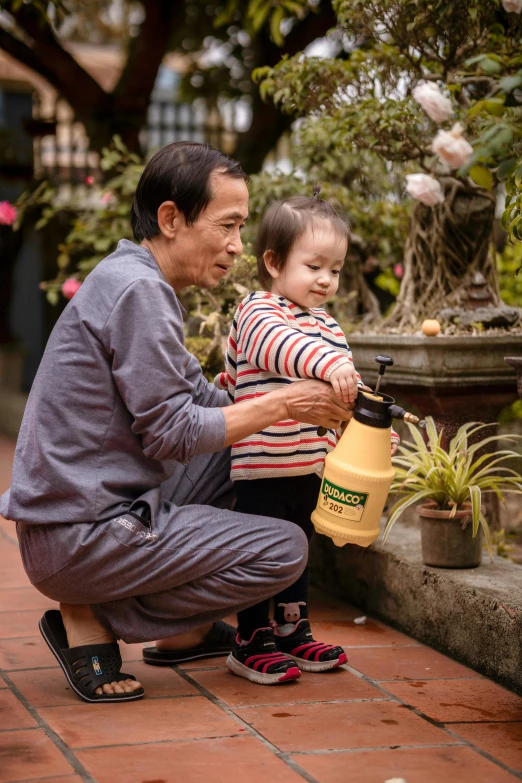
{"points": [[121, 489]]}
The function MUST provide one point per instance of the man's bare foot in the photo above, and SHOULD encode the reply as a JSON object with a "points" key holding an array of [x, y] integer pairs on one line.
{"points": [[185, 641], [83, 628]]}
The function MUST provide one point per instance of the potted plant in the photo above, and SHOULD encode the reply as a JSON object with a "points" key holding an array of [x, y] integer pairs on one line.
{"points": [[450, 485]]}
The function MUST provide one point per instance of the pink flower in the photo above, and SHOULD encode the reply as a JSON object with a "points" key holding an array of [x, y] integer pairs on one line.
{"points": [[436, 105], [452, 147], [398, 271], [424, 188], [89, 180], [7, 213], [106, 197], [70, 287], [514, 6]]}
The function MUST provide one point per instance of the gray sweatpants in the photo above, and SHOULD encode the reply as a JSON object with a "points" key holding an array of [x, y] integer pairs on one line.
{"points": [[196, 562]]}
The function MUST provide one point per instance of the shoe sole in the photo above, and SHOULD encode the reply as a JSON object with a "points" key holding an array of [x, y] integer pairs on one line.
{"points": [[241, 670], [319, 666], [152, 660], [104, 698]]}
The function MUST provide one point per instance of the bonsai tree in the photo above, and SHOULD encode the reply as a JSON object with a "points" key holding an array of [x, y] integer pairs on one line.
{"points": [[433, 90], [462, 474]]}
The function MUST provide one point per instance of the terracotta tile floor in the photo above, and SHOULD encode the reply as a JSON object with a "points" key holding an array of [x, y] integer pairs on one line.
{"points": [[398, 710]]}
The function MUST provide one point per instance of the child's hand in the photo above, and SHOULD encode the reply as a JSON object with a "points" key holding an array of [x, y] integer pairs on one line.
{"points": [[344, 382]]}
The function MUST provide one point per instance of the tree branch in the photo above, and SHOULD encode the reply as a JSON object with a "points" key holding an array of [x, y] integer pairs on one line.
{"points": [[24, 54], [132, 93], [315, 25], [58, 65]]}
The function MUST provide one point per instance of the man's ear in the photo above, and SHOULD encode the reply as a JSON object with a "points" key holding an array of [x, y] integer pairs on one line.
{"points": [[169, 218], [271, 264]]}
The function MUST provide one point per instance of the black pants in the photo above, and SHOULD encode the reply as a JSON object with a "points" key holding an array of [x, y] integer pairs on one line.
{"points": [[290, 498]]}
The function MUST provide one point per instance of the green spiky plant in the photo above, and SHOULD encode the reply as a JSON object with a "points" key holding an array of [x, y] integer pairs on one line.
{"points": [[425, 471]]}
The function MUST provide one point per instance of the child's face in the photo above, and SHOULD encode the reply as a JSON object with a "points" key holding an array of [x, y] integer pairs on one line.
{"points": [[310, 276]]}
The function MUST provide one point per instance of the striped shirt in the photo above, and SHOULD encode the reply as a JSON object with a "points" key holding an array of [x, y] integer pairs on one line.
{"points": [[274, 342]]}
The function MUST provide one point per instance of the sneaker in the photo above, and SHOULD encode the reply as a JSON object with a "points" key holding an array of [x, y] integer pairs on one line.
{"points": [[260, 661], [311, 656]]}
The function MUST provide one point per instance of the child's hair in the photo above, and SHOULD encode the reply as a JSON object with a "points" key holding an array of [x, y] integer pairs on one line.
{"points": [[285, 221]]}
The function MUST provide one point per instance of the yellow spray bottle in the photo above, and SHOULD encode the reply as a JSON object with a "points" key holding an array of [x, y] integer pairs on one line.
{"points": [[358, 473]]}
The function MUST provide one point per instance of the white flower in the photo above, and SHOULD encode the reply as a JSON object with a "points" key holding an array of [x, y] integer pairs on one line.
{"points": [[436, 105], [452, 147], [514, 6], [424, 188]]}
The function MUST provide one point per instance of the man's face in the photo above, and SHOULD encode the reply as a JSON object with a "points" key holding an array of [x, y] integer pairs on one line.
{"points": [[205, 251]]}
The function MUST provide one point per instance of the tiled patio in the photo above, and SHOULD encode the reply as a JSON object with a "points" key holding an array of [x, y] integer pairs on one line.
{"points": [[398, 710]]}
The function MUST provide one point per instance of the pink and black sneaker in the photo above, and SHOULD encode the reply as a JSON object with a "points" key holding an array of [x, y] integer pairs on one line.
{"points": [[260, 661], [310, 655]]}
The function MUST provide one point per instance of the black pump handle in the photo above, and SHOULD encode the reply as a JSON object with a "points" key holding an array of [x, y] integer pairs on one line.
{"points": [[384, 361]]}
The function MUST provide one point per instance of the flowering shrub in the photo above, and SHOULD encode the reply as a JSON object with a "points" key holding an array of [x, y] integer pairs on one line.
{"points": [[437, 106], [424, 188], [409, 68], [7, 213], [452, 147], [70, 287]]}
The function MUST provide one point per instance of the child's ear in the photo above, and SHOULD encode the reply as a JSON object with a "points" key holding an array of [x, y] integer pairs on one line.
{"points": [[271, 263]]}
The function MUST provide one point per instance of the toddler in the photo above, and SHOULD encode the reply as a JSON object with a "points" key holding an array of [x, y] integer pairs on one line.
{"points": [[278, 336]]}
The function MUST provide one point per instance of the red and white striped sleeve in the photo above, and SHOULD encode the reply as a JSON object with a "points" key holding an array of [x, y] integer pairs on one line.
{"points": [[268, 343]]}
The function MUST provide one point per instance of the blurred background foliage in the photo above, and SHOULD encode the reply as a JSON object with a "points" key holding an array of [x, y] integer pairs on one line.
{"points": [[355, 128]]}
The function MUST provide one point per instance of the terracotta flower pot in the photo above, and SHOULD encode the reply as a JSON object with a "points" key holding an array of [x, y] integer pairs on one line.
{"points": [[448, 543]]}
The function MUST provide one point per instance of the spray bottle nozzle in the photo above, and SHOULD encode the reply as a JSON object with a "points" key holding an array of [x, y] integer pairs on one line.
{"points": [[384, 361], [400, 413]]}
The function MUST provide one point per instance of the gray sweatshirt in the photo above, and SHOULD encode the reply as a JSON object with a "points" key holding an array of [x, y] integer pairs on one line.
{"points": [[117, 401]]}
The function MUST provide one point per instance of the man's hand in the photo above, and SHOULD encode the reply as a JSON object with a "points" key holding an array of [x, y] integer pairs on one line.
{"points": [[315, 402], [344, 381]]}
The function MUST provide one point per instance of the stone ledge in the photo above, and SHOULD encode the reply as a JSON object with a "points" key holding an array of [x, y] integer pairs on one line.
{"points": [[473, 615]]}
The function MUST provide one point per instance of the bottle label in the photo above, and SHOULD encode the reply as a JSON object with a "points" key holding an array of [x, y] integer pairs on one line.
{"points": [[346, 503]]}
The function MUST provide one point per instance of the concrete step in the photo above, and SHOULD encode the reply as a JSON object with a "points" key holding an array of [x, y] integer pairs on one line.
{"points": [[473, 615]]}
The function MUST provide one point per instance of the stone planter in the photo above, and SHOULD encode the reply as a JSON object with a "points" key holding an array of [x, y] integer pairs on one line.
{"points": [[516, 362], [453, 379], [448, 542]]}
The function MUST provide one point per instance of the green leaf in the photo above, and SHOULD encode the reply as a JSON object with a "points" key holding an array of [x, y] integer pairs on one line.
{"points": [[52, 297], [275, 25], [482, 176], [490, 66], [472, 60], [401, 506], [506, 168], [476, 496], [260, 17], [510, 83]]}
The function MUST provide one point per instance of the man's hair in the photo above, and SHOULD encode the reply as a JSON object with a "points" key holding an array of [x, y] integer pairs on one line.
{"points": [[285, 221], [179, 172]]}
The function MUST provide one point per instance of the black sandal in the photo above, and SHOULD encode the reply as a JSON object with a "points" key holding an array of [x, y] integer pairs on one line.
{"points": [[220, 640], [87, 667]]}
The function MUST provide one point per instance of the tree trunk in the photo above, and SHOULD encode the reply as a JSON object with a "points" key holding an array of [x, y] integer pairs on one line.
{"points": [[446, 246]]}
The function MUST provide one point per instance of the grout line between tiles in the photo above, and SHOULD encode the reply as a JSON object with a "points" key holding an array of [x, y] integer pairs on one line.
{"points": [[370, 748], [77, 767], [42, 777], [299, 703], [251, 731], [158, 742], [79, 703], [404, 680]]}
